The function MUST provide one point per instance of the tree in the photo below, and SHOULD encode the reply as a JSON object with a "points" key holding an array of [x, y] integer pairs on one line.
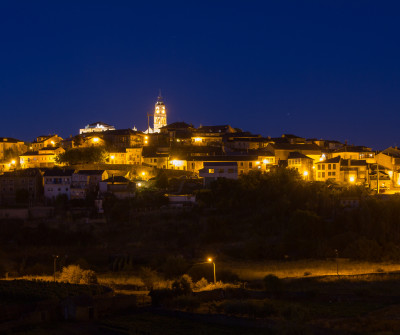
{"points": [[82, 156]]}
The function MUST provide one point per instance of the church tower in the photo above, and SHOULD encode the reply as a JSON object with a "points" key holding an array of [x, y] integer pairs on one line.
{"points": [[160, 114]]}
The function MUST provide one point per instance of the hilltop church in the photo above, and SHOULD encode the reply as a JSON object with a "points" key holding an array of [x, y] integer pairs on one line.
{"points": [[159, 117]]}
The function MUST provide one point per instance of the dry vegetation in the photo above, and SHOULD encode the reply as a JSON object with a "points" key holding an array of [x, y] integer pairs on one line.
{"points": [[295, 269]]}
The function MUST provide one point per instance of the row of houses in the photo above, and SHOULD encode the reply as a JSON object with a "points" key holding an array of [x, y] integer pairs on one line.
{"points": [[35, 185], [181, 146]]}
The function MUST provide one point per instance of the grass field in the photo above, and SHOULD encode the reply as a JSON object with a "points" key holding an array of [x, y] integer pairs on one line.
{"points": [[296, 269]]}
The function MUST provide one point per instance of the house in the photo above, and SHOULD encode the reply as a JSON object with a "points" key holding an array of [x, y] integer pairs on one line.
{"points": [[43, 158], [301, 163], [125, 156], [96, 127], [245, 163], [155, 157], [294, 139], [390, 160], [120, 186], [21, 185], [215, 170], [354, 153], [281, 151], [328, 169], [85, 181], [210, 135], [57, 182], [181, 200], [46, 141], [10, 148]]}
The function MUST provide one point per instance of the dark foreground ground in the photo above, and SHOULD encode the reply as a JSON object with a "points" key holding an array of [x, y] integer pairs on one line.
{"points": [[367, 304]]}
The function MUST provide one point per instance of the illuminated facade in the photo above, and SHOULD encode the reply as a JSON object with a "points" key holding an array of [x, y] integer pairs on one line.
{"points": [[160, 115], [96, 127]]}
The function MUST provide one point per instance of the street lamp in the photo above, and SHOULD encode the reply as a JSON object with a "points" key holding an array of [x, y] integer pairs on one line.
{"points": [[210, 260]]}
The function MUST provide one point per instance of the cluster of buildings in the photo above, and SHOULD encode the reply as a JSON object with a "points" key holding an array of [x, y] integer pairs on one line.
{"points": [[208, 152]]}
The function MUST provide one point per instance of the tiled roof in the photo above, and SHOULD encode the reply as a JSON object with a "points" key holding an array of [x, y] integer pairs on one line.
{"points": [[116, 179], [91, 172], [9, 140], [294, 147], [220, 164], [330, 160], [59, 173], [295, 154]]}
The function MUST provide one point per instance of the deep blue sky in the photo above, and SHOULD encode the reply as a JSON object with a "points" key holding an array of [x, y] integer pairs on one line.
{"points": [[325, 69]]}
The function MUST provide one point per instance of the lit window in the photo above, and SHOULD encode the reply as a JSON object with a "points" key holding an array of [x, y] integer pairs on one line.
{"points": [[210, 170]]}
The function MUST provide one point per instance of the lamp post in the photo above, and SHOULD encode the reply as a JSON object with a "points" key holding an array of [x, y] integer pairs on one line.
{"points": [[210, 260], [55, 266]]}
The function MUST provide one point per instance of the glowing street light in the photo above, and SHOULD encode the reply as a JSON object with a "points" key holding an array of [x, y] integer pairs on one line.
{"points": [[352, 179], [13, 162], [96, 139], [210, 260], [305, 173]]}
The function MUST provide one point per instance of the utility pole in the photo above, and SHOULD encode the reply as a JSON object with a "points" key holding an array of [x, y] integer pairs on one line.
{"points": [[377, 176], [55, 266]]}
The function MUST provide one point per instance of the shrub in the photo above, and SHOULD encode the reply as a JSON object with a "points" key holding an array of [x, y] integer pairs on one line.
{"points": [[148, 277], [273, 284], [183, 285], [202, 283], [73, 274], [89, 277]]}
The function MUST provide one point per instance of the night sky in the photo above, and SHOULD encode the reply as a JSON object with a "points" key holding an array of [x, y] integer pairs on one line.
{"points": [[324, 69]]}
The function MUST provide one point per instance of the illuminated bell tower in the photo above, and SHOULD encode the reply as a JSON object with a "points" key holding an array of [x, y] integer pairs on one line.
{"points": [[160, 114]]}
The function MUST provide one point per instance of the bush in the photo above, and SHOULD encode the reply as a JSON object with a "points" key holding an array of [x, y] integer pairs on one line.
{"points": [[202, 283], [148, 277], [183, 285], [89, 277], [273, 284], [73, 274]]}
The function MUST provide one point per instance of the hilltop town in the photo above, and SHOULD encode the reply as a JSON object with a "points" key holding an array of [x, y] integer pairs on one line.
{"points": [[103, 159]]}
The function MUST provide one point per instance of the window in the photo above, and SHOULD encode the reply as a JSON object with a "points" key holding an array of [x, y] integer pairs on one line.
{"points": [[231, 170], [329, 174], [329, 166], [210, 170], [250, 165], [221, 171], [334, 166], [241, 172], [319, 174], [333, 173], [323, 166], [323, 174], [241, 164], [155, 160]]}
